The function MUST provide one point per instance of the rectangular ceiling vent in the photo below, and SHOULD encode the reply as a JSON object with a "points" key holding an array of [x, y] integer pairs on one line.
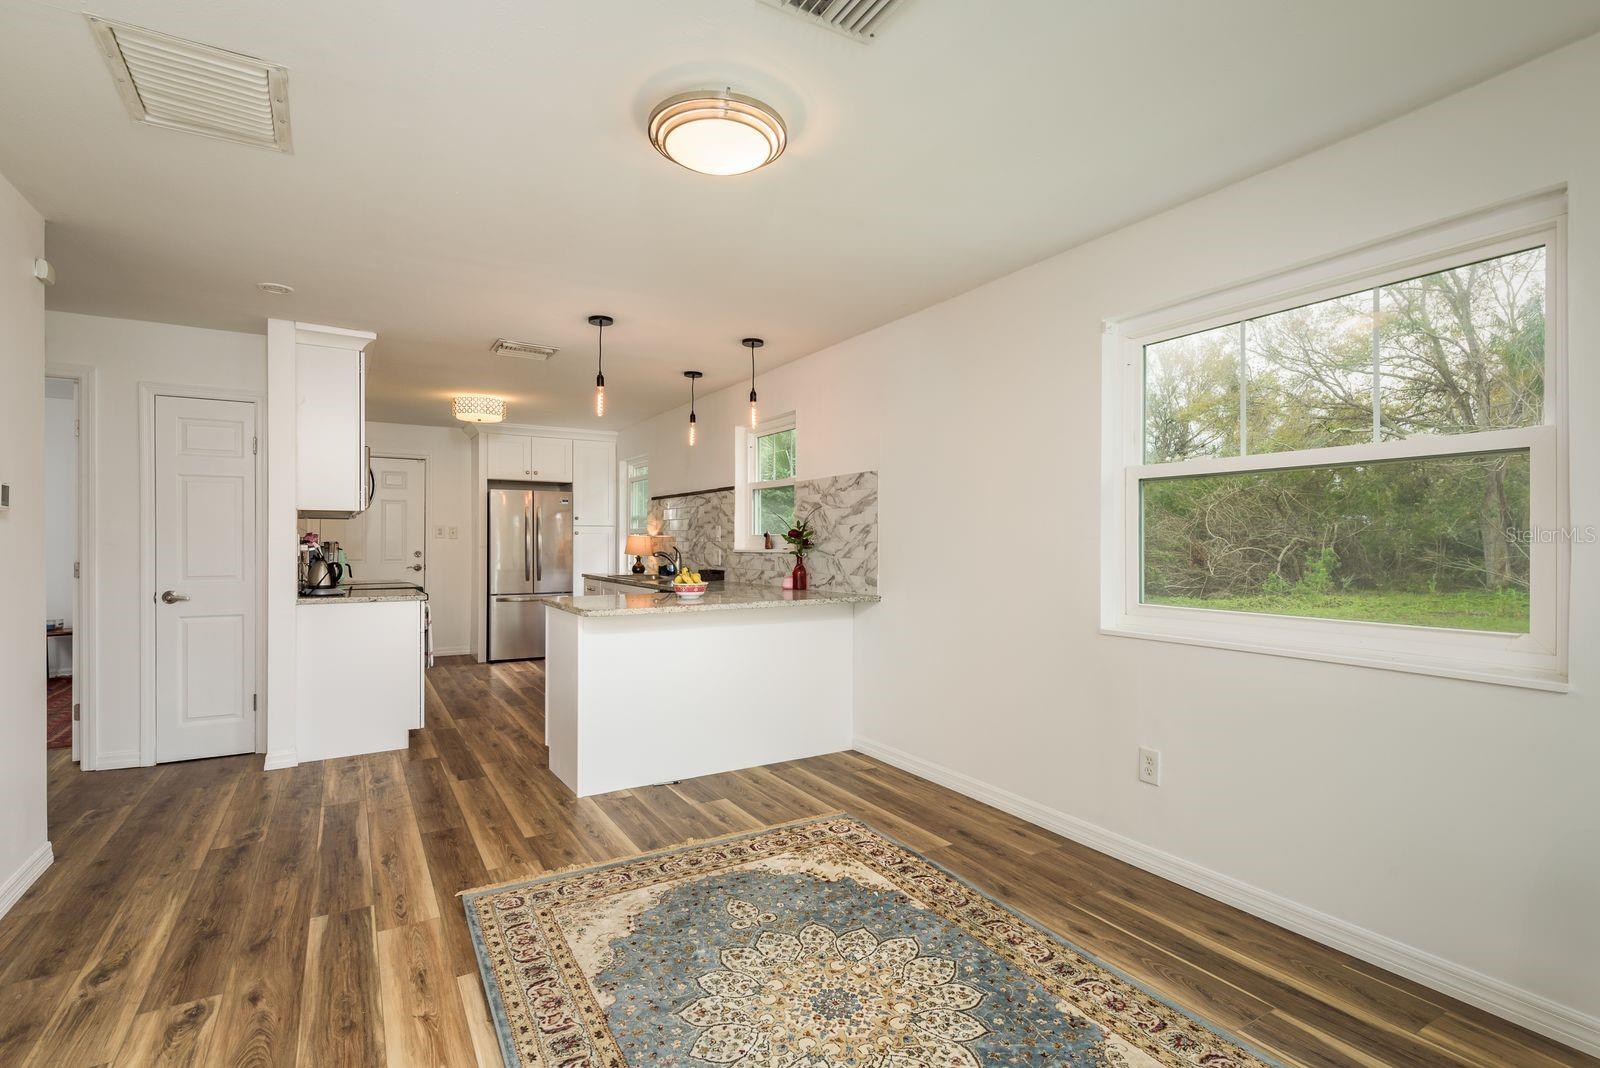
{"points": [[523, 350], [167, 81], [857, 19]]}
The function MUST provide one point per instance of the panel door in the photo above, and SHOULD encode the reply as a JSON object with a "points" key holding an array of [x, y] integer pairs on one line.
{"points": [[594, 473], [205, 571], [506, 456], [387, 542], [550, 459]]}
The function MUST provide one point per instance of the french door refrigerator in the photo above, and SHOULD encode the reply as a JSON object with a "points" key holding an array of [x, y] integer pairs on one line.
{"points": [[530, 561]]}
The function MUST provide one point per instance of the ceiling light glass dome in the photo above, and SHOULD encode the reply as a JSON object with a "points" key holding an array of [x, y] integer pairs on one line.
{"points": [[717, 132]]}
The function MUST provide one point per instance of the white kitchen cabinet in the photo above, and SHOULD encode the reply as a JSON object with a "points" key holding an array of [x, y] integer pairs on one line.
{"points": [[331, 476], [527, 459], [359, 683], [594, 550], [550, 459], [594, 495], [505, 456]]}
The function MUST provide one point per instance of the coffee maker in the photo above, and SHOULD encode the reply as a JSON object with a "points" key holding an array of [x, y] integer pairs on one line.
{"points": [[320, 569]]}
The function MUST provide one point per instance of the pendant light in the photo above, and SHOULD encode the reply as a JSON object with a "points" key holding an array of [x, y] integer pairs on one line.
{"points": [[753, 343], [691, 376], [600, 322]]}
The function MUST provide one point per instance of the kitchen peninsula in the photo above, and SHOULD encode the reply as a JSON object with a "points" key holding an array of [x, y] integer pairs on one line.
{"points": [[644, 687]]}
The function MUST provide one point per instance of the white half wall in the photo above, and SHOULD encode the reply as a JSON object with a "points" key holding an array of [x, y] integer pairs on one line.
{"points": [[448, 451], [1444, 828], [125, 353], [24, 848]]}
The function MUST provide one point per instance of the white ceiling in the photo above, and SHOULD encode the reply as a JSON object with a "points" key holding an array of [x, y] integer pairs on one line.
{"points": [[468, 171]]}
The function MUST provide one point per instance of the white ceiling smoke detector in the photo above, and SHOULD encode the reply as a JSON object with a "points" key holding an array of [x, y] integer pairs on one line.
{"points": [[860, 20], [182, 85], [523, 350]]}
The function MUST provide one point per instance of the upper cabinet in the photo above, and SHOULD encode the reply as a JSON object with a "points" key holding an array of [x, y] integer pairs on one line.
{"points": [[527, 459], [594, 495], [332, 477]]}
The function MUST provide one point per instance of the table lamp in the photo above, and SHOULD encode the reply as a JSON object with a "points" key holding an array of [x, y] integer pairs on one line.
{"points": [[640, 546]]}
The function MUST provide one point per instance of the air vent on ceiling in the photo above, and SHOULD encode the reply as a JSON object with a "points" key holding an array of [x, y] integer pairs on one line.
{"points": [[523, 350], [167, 81], [859, 19]]}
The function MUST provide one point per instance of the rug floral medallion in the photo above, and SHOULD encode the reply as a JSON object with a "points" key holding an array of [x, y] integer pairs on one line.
{"points": [[820, 944]]}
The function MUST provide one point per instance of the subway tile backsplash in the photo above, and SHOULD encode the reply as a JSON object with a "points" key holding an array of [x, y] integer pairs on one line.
{"points": [[844, 511]]}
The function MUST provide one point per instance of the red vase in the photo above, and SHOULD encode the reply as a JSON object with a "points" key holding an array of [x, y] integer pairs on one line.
{"points": [[799, 574]]}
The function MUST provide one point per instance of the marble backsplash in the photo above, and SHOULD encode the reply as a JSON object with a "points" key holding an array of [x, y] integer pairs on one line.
{"points": [[843, 509]]}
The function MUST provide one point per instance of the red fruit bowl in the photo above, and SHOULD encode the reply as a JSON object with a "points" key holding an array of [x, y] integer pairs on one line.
{"points": [[691, 590]]}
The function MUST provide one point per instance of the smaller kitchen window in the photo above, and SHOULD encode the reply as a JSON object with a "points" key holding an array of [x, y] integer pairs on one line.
{"points": [[764, 483], [638, 497]]}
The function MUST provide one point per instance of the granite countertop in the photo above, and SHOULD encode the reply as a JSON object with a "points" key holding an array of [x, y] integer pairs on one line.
{"points": [[359, 594], [726, 598]]}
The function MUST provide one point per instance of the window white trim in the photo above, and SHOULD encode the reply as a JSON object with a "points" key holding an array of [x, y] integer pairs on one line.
{"points": [[1537, 659], [641, 464], [745, 483]]}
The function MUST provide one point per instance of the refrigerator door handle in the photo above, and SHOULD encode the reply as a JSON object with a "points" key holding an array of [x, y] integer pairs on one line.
{"points": [[527, 558], [538, 560]]}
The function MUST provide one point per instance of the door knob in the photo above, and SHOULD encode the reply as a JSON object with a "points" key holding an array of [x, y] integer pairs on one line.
{"points": [[173, 597], [414, 567]]}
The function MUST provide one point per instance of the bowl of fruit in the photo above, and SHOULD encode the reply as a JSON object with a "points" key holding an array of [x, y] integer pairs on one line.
{"points": [[687, 584]]}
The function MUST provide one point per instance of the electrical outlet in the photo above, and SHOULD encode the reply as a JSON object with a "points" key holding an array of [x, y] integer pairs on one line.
{"points": [[1150, 766], [438, 532]]}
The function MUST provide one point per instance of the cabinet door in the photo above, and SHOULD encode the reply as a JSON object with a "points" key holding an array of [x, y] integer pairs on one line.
{"points": [[505, 456], [550, 459], [594, 494], [594, 551], [331, 474]]}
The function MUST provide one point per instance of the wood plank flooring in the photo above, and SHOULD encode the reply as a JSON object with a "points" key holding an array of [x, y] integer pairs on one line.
{"points": [[209, 913]]}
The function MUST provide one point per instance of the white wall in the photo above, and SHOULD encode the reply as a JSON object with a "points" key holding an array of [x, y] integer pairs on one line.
{"points": [[24, 850], [125, 353], [449, 504], [1458, 819], [61, 513]]}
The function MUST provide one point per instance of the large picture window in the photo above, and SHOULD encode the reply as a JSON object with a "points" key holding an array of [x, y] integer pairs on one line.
{"points": [[1364, 470]]}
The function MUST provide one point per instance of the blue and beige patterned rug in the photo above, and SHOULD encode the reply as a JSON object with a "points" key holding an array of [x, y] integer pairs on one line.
{"points": [[820, 944]]}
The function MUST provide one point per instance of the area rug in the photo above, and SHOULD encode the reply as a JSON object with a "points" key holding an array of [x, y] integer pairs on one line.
{"points": [[819, 944]]}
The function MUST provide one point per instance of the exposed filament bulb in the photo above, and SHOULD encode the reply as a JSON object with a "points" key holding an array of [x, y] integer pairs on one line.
{"points": [[755, 413], [691, 433], [600, 399]]}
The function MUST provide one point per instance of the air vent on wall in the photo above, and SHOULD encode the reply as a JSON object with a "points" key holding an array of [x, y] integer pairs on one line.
{"points": [[167, 81], [858, 19], [523, 350]]}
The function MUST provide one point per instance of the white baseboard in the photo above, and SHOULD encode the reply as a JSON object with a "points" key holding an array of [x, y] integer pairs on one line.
{"points": [[281, 758], [454, 650], [17, 882], [119, 758], [1533, 1011]]}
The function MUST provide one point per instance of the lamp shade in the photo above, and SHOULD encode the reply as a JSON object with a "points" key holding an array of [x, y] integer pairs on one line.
{"points": [[640, 545]]}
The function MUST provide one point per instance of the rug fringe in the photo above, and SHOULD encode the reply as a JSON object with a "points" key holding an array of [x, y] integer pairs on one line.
{"points": [[685, 844]]}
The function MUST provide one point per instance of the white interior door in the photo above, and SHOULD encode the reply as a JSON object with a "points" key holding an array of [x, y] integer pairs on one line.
{"points": [[205, 570], [387, 542]]}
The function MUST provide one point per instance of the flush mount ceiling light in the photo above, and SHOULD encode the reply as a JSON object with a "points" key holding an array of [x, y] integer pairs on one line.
{"points": [[478, 409], [717, 132]]}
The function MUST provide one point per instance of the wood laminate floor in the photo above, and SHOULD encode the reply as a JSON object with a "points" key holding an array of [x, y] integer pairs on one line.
{"points": [[210, 913]]}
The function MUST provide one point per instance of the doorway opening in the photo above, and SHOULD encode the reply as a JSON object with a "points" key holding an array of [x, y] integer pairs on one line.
{"points": [[388, 542], [62, 530]]}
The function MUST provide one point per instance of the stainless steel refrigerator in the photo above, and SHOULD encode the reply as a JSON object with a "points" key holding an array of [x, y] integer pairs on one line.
{"points": [[530, 561]]}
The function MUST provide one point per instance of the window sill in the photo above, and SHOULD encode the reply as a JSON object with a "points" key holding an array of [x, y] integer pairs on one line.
{"points": [[760, 551], [1522, 678]]}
